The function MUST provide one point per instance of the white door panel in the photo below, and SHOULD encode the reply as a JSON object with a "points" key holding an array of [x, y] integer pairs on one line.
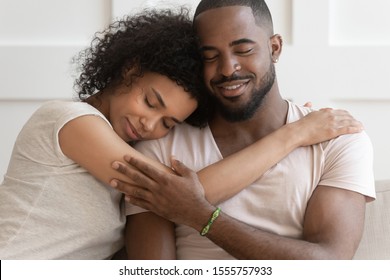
{"points": [[36, 72]]}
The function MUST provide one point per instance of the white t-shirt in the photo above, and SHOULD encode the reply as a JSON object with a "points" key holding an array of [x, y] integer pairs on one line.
{"points": [[277, 201], [50, 207]]}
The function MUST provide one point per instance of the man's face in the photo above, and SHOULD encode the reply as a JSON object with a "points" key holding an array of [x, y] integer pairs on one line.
{"points": [[238, 68]]}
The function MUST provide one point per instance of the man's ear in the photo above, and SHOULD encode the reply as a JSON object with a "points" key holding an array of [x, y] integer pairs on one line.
{"points": [[276, 42]]}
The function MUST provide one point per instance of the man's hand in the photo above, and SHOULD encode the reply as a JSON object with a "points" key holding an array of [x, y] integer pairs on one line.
{"points": [[174, 196]]}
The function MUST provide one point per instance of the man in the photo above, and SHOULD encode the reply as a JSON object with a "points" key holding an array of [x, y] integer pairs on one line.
{"points": [[310, 205]]}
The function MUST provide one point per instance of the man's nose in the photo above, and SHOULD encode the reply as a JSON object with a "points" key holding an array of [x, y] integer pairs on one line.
{"points": [[228, 65]]}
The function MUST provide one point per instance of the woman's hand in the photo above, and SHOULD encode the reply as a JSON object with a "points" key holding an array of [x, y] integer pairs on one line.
{"points": [[325, 124]]}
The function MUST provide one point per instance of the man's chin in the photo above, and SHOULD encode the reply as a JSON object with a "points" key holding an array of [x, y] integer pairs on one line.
{"points": [[235, 115]]}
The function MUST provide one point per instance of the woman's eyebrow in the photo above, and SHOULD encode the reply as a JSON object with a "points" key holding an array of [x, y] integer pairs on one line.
{"points": [[162, 103], [159, 98]]}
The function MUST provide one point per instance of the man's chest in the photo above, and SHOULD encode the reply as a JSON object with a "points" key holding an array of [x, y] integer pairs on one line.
{"points": [[232, 144]]}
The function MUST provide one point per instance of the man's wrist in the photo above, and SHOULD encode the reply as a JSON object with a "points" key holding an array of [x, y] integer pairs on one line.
{"points": [[209, 224], [202, 217]]}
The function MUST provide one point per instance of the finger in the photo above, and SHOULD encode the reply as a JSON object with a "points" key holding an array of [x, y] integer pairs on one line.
{"points": [[347, 130], [327, 109], [140, 193], [122, 168], [131, 190], [180, 168], [334, 117], [341, 112], [139, 202], [135, 175], [149, 170], [308, 104], [343, 118], [341, 122], [337, 112], [350, 126]]}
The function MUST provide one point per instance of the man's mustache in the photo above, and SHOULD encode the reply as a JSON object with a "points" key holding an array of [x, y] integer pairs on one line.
{"points": [[231, 78]]}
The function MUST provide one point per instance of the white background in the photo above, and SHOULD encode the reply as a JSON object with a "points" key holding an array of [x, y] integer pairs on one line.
{"points": [[336, 53]]}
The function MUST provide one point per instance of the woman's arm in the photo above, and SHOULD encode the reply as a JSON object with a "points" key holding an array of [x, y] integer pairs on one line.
{"points": [[91, 142], [221, 180]]}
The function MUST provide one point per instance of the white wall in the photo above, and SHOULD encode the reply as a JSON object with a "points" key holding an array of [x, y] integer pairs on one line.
{"points": [[337, 53]]}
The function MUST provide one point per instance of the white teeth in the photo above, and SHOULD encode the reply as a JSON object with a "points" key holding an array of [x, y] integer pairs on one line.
{"points": [[232, 87]]}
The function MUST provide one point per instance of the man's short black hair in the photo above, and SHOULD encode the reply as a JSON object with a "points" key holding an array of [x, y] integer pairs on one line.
{"points": [[259, 8]]}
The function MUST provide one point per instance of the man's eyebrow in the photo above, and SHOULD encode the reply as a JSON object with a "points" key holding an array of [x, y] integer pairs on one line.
{"points": [[162, 103], [242, 41], [206, 48], [234, 43]]}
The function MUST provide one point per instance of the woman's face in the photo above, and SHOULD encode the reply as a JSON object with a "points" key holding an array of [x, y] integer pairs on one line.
{"points": [[149, 108]]}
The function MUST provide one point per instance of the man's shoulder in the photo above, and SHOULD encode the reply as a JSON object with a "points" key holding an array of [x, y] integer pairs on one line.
{"points": [[296, 112], [355, 143], [185, 128], [187, 143], [183, 133]]}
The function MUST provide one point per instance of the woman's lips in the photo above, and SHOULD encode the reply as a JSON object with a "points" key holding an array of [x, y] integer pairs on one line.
{"points": [[131, 131]]}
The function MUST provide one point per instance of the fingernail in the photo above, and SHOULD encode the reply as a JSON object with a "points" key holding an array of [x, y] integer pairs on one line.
{"points": [[127, 158], [174, 159], [115, 165], [113, 183]]}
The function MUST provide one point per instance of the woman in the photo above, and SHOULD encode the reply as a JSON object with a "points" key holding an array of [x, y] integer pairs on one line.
{"points": [[140, 78]]}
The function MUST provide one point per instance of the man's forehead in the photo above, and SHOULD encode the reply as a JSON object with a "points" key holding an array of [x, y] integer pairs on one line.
{"points": [[228, 12], [228, 23]]}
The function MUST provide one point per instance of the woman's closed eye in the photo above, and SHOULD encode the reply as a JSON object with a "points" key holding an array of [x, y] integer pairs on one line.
{"points": [[149, 104], [168, 124]]}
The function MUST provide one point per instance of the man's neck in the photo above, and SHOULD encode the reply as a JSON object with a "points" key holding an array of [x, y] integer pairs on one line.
{"points": [[234, 136]]}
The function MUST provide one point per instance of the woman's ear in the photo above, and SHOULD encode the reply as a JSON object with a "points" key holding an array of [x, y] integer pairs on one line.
{"points": [[276, 42], [129, 73]]}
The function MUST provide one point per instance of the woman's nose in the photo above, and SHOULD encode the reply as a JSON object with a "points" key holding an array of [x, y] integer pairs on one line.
{"points": [[148, 124]]}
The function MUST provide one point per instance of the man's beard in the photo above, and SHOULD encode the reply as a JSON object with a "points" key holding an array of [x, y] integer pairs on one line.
{"points": [[246, 111]]}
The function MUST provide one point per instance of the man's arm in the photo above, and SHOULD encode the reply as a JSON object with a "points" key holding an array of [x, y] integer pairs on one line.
{"points": [[332, 228], [177, 196], [220, 179], [149, 236]]}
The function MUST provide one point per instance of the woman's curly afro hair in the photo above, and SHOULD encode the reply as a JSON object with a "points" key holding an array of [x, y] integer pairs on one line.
{"points": [[160, 41]]}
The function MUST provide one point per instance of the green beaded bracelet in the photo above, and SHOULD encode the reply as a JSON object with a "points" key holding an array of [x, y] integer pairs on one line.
{"points": [[215, 215]]}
